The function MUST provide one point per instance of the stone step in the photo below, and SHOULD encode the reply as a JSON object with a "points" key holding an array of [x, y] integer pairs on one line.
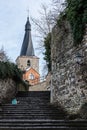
{"points": [[31, 117], [34, 97], [42, 128], [31, 112], [43, 123], [28, 110], [22, 104], [31, 108], [34, 112], [49, 127], [27, 102], [52, 122], [33, 94], [33, 100], [19, 113], [30, 105]]}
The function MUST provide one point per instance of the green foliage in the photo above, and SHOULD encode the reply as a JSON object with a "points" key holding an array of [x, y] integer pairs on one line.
{"points": [[76, 12], [61, 18], [10, 70], [47, 53]]}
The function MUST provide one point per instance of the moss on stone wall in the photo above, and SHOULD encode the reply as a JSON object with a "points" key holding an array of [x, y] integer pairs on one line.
{"points": [[76, 11], [76, 14]]}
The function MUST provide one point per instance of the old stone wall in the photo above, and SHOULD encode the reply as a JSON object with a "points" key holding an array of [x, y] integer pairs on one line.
{"points": [[8, 90], [68, 85], [43, 85], [39, 87]]}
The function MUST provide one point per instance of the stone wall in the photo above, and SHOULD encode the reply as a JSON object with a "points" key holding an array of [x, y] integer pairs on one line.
{"points": [[39, 87], [22, 62], [8, 90], [43, 85], [69, 85]]}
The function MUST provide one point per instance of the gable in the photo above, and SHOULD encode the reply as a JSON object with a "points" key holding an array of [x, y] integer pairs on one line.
{"points": [[33, 72]]}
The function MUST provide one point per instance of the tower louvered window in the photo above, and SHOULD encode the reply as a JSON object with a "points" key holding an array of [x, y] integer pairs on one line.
{"points": [[28, 63]]}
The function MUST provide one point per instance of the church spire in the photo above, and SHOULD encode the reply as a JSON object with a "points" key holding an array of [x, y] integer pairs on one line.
{"points": [[27, 46], [28, 25]]}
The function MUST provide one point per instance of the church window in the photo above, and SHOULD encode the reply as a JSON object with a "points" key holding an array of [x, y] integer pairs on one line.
{"points": [[28, 63], [31, 76]]}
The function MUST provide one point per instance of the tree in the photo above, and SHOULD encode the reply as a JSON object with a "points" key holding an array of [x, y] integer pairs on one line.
{"points": [[44, 26], [3, 56], [58, 7], [76, 14], [47, 53]]}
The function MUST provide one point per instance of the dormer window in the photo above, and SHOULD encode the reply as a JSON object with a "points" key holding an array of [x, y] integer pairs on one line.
{"points": [[28, 63]]}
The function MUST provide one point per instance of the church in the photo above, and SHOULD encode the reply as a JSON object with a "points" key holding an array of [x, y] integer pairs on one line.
{"points": [[27, 61]]}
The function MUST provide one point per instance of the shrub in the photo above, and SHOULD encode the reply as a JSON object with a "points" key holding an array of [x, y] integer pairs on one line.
{"points": [[47, 53], [10, 70]]}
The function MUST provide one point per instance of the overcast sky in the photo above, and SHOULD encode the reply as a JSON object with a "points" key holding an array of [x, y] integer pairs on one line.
{"points": [[13, 16]]}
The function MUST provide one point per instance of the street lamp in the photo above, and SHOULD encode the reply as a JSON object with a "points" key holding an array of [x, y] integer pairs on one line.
{"points": [[78, 59]]}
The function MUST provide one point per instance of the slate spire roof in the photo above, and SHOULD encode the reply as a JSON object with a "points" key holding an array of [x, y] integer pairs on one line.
{"points": [[27, 46]]}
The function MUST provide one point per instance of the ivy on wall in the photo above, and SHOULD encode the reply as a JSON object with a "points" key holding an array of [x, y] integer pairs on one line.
{"points": [[47, 53], [76, 11]]}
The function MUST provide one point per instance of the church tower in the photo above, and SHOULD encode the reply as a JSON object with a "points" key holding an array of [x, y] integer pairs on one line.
{"points": [[27, 61]]}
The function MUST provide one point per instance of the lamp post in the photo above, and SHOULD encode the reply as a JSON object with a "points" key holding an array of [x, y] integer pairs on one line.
{"points": [[83, 66], [79, 59]]}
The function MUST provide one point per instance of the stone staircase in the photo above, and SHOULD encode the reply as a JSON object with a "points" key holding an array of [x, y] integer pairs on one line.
{"points": [[34, 112]]}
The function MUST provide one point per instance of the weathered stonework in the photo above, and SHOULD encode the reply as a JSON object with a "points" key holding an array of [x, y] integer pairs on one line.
{"points": [[39, 87], [68, 86], [7, 90]]}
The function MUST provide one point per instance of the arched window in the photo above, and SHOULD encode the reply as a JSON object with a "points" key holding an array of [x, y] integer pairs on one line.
{"points": [[28, 63], [31, 76]]}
